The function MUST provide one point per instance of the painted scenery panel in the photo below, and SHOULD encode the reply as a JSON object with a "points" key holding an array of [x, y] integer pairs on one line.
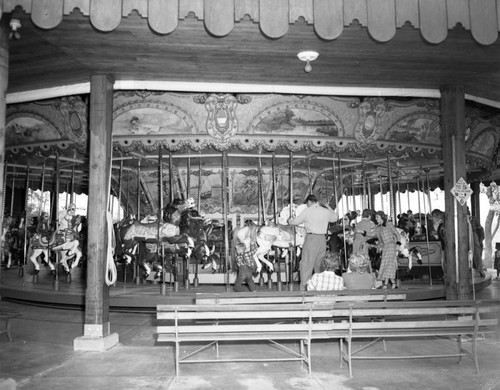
{"points": [[149, 120], [419, 128], [29, 129], [298, 119]]}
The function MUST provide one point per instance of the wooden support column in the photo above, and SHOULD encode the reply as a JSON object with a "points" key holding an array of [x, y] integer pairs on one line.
{"points": [[97, 336], [4, 78], [457, 273]]}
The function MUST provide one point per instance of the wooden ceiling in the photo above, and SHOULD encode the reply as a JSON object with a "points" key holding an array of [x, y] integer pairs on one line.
{"points": [[74, 50]]}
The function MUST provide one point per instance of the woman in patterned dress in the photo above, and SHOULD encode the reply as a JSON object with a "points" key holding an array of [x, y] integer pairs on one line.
{"points": [[388, 237]]}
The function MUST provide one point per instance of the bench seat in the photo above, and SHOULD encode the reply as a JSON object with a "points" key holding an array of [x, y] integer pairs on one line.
{"points": [[345, 321]]}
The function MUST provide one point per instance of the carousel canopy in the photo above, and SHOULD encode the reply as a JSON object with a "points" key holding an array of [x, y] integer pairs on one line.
{"points": [[199, 81]]}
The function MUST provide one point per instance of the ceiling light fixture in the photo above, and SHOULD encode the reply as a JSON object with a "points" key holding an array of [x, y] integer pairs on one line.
{"points": [[15, 26], [307, 57]]}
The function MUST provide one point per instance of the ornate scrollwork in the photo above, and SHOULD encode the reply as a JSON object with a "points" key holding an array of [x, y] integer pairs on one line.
{"points": [[221, 122]]}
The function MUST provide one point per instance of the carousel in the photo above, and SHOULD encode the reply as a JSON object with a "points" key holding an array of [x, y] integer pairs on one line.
{"points": [[189, 171]]}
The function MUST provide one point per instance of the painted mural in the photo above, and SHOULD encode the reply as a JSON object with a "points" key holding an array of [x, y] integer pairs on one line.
{"points": [[147, 118], [25, 129], [416, 128], [299, 118]]}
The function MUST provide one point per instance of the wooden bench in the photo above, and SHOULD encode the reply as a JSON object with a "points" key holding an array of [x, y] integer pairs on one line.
{"points": [[346, 321], [296, 297], [452, 320], [273, 323]]}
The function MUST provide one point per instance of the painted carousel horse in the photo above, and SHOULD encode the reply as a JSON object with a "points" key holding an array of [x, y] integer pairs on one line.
{"points": [[267, 236], [137, 242], [196, 226], [216, 240], [65, 240]]}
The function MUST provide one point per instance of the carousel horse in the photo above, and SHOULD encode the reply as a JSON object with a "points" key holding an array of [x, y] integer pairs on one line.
{"points": [[216, 238], [137, 241], [267, 236], [43, 238], [66, 240]]}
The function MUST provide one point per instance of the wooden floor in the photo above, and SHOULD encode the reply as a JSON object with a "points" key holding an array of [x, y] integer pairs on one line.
{"points": [[19, 284]]}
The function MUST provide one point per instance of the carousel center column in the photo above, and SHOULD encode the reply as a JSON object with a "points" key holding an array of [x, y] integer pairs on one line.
{"points": [[97, 336], [457, 273]]}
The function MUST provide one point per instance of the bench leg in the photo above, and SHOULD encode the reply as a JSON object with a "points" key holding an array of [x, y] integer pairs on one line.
{"points": [[309, 360], [341, 351], [459, 346], [8, 330], [474, 353], [349, 354], [177, 361]]}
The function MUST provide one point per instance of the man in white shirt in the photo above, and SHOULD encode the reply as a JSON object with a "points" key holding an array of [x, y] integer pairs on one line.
{"points": [[315, 219]]}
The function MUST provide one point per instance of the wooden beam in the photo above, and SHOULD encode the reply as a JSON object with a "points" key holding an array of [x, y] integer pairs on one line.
{"points": [[97, 335], [457, 274]]}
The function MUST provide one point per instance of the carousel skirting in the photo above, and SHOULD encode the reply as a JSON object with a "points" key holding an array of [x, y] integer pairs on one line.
{"points": [[125, 295]]}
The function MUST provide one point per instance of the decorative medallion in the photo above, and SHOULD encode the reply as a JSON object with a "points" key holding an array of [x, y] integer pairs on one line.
{"points": [[221, 122], [371, 112], [74, 111]]}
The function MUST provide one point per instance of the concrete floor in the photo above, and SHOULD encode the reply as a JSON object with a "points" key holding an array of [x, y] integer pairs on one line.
{"points": [[41, 357]]}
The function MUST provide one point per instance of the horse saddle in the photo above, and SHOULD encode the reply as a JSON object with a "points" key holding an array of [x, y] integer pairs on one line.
{"points": [[178, 239]]}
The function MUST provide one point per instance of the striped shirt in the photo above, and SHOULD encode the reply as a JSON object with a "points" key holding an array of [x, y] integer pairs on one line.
{"points": [[326, 280]]}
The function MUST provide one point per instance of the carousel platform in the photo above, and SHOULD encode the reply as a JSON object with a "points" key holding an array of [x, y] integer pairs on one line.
{"points": [[129, 296]]}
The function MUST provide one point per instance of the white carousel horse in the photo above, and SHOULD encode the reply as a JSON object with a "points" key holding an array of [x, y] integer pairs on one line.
{"points": [[267, 236], [70, 249]]}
